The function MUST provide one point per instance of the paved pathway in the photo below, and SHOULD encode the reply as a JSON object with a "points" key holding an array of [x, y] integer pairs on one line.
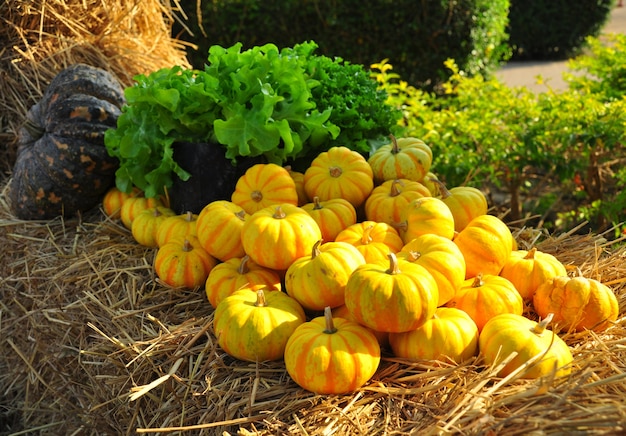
{"points": [[525, 73]]}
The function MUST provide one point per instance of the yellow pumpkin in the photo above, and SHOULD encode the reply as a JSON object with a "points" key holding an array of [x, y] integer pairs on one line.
{"points": [[176, 227], [486, 243], [426, 215], [339, 173], [343, 312], [399, 298], [529, 269], [236, 274], [183, 263], [332, 216], [374, 240], [403, 158], [442, 258], [255, 326], [146, 225], [542, 349], [578, 303], [113, 201], [264, 185], [486, 296], [276, 236], [450, 335], [319, 280], [465, 203], [327, 356], [431, 182], [386, 202], [219, 227], [133, 206], [298, 179]]}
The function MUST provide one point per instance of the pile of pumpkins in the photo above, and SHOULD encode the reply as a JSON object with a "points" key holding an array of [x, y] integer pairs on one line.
{"points": [[327, 267]]}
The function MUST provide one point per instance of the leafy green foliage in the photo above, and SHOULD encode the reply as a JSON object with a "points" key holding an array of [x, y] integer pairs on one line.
{"points": [[282, 105]]}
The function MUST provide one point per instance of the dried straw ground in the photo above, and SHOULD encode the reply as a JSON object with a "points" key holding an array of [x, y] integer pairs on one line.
{"points": [[92, 343]]}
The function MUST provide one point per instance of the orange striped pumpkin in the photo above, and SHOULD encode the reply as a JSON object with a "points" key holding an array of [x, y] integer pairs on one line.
{"points": [[332, 216], [386, 202], [146, 225], [403, 158], [374, 240], [183, 264], [133, 206], [218, 229], [264, 185], [176, 227]]}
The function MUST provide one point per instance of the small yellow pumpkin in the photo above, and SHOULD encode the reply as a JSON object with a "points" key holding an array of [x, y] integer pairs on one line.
{"points": [[134, 205], [146, 225], [298, 179], [465, 203], [183, 263], [264, 185], [219, 227], [176, 227], [426, 215], [528, 269], [403, 158], [113, 201], [339, 173], [374, 240], [332, 216], [331, 356], [386, 202]]}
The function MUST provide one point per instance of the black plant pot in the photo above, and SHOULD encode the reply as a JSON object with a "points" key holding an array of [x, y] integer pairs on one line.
{"points": [[213, 176]]}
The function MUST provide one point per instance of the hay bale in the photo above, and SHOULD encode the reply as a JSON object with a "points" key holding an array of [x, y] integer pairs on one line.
{"points": [[40, 38], [93, 343]]}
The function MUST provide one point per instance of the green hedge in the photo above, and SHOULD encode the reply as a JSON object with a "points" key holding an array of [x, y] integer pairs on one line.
{"points": [[416, 36], [554, 29]]}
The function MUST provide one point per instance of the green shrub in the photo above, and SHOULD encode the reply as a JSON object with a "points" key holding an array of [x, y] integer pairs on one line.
{"points": [[416, 37], [554, 29]]}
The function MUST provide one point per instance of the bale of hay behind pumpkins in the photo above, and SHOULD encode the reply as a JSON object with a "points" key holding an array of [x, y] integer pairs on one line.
{"points": [[39, 38]]}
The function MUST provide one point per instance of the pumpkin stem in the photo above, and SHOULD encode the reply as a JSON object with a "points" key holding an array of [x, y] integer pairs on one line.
{"points": [[189, 216], [256, 196], [413, 255], [317, 203], [394, 268], [541, 325], [260, 299], [478, 281], [443, 190], [241, 215], [531, 253], [367, 237], [395, 190], [187, 245], [395, 149], [401, 227], [335, 171], [328, 317], [243, 266], [279, 213], [316, 249], [156, 211]]}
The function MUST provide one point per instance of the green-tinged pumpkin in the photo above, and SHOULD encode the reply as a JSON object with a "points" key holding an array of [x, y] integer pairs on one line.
{"points": [[332, 216], [264, 185], [426, 215], [219, 227], [374, 240], [276, 236], [339, 173], [450, 335], [176, 227], [62, 166], [319, 280], [146, 225], [183, 264], [398, 298], [486, 243], [331, 356], [386, 202], [486, 296], [236, 274], [578, 303], [528, 269], [403, 158], [532, 341], [465, 203], [443, 260], [255, 326]]}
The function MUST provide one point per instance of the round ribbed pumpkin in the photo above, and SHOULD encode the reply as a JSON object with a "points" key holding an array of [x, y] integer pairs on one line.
{"points": [[183, 264], [486, 296], [450, 335], [219, 227], [486, 243], [332, 216], [146, 225], [374, 240], [135, 205], [176, 227], [578, 303], [236, 274], [394, 299], [255, 326], [331, 356], [298, 179], [319, 280], [114, 199], [426, 215], [339, 173], [465, 203], [442, 258], [386, 202], [278, 235], [529, 269], [264, 185], [508, 333], [403, 158]]}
